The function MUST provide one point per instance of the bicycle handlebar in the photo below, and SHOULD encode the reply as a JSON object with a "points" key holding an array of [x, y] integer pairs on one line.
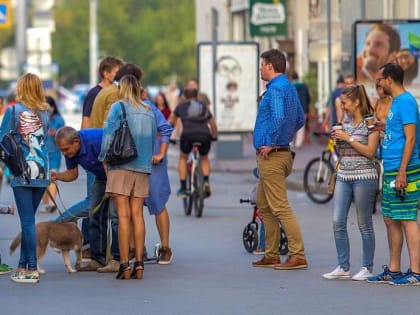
{"points": [[244, 201]]}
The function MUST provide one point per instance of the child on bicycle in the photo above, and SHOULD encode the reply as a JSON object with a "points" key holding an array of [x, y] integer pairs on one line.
{"points": [[198, 125]]}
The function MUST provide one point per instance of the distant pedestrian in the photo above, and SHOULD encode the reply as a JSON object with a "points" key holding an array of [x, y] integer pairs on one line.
{"points": [[55, 122], [305, 101]]}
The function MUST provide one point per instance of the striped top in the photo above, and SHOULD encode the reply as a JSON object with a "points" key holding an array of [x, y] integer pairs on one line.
{"points": [[353, 165]]}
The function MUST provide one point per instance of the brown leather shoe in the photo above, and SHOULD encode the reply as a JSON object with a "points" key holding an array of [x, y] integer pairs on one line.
{"points": [[93, 265], [292, 263], [266, 262]]}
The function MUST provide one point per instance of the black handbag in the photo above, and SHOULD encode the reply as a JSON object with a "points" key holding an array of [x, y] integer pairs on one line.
{"points": [[122, 149], [11, 154]]}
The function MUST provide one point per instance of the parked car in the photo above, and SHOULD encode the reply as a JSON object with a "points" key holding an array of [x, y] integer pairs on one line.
{"points": [[67, 101], [80, 90]]}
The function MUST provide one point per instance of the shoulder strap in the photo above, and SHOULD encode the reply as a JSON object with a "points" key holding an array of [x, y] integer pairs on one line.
{"points": [[13, 117], [123, 110]]}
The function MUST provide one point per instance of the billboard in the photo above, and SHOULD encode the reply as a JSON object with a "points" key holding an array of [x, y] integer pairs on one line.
{"points": [[235, 78], [381, 41]]}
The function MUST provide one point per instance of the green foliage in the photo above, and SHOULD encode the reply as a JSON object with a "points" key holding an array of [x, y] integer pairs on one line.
{"points": [[157, 35], [310, 78]]}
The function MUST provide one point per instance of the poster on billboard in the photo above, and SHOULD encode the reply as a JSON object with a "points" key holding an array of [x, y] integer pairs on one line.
{"points": [[236, 83], [381, 41]]}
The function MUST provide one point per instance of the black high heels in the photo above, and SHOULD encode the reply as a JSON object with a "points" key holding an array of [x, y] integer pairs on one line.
{"points": [[124, 272], [137, 271]]}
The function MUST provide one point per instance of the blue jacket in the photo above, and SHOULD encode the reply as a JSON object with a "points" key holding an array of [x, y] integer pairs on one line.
{"points": [[142, 124], [32, 129]]}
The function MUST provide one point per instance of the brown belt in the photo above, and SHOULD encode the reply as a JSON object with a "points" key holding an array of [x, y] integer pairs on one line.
{"points": [[276, 149]]}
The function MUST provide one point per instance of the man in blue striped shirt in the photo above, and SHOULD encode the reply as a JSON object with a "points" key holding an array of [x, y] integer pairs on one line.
{"points": [[279, 117]]}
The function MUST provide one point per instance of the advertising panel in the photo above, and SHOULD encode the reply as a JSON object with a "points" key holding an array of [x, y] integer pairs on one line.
{"points": [[378, 42], [236, 83]]}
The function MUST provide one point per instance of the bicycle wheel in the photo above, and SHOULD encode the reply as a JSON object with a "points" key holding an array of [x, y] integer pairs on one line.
{"points": [[284, 242], [250, 237], [188, 200], [198, 191], [316, 178]]}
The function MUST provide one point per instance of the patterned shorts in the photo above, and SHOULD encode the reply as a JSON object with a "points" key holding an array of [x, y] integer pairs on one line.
{"points": [[401, 206]]}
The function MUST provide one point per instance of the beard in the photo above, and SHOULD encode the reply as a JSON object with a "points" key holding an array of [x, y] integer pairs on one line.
{"points": [[372, 63]]}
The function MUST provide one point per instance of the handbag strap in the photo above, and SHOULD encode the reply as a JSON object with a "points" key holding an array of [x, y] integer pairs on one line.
{"points": [[340, 156], [123, 111]]}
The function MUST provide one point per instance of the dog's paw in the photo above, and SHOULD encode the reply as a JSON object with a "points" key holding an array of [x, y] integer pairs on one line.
{"points": [[41, 271], [70, 269]]}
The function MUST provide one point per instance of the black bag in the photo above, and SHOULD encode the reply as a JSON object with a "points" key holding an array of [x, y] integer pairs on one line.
{"points": [[122, 149], [11, 154]]}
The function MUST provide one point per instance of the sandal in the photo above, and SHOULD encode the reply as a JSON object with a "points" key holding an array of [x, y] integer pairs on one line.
{"points": [[138, 269], [124, 272]]}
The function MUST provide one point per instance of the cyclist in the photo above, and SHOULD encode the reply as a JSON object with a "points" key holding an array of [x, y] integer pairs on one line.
{"points": [[198, 125]]}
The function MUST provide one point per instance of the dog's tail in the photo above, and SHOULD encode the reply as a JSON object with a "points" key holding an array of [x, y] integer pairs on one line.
{"points": [[15, 243]]}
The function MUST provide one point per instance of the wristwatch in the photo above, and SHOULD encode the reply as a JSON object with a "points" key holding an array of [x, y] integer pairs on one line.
{"points": [[351, 140]]}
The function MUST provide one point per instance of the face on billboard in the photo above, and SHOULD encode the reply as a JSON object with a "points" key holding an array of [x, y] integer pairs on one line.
{"points": [[379, 42]]}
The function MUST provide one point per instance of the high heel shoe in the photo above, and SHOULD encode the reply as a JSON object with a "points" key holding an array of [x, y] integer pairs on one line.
{"points": [[137, 271], [124, 271]]}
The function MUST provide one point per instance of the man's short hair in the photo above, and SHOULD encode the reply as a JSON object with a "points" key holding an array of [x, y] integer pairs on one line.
{"points": [[394, 71], [109, 63], [190, 93], [276, 58], [129, 68], [69, 134]]}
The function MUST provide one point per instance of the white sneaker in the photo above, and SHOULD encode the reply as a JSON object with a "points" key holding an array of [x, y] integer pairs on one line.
{"points": [[362, 275], [337, 273]]}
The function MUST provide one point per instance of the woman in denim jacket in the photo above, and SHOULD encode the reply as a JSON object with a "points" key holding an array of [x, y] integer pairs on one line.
{"points": [[129, 183], [30, 122]]}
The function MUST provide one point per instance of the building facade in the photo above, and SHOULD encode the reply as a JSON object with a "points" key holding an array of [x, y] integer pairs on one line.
{"points": [[307, 41]]}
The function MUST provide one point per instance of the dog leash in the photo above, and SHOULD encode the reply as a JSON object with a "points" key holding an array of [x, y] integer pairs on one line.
{"points": [[92, 212], [61, 201]]}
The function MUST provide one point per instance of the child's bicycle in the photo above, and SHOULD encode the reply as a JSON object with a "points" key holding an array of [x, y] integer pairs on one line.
{"points": [[251, 233]]}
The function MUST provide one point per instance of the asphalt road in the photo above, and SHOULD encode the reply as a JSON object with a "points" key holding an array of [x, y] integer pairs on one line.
{"points": [[211, 272]]}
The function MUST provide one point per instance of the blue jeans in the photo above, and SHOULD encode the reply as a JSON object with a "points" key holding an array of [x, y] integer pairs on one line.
{"points": [[27, 201], [98, 223], [81, 208], [363, 193]]}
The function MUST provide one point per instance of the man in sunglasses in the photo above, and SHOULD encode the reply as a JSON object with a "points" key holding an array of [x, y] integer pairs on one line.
{"points": [[401, 180]]}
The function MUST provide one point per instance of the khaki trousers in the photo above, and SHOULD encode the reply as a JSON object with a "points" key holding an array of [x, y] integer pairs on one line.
{"points": [[274, 206]]}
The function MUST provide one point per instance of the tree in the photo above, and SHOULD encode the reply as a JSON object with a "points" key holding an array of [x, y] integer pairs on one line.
{"points": [[157, 35]]}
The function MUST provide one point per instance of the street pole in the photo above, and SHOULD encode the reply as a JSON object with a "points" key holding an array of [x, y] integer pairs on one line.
{"points": [[93, 42], [214, 14], [21, 26], [329, 40]]}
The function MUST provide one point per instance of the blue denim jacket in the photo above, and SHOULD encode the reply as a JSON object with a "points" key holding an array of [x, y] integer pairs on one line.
{"points": [[142, 124], [32, 129]]}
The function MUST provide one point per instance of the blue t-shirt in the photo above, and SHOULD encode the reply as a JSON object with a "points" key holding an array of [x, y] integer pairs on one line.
{"points": [[87, 157], [404, 110]]}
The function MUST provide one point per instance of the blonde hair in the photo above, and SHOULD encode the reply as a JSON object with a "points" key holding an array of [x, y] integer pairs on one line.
{"points": [[131, 90], [30, 92]]}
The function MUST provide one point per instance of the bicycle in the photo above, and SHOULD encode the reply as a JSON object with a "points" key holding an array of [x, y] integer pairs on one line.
{"points": [[318, 172], [195, 183], [250, 235]]}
